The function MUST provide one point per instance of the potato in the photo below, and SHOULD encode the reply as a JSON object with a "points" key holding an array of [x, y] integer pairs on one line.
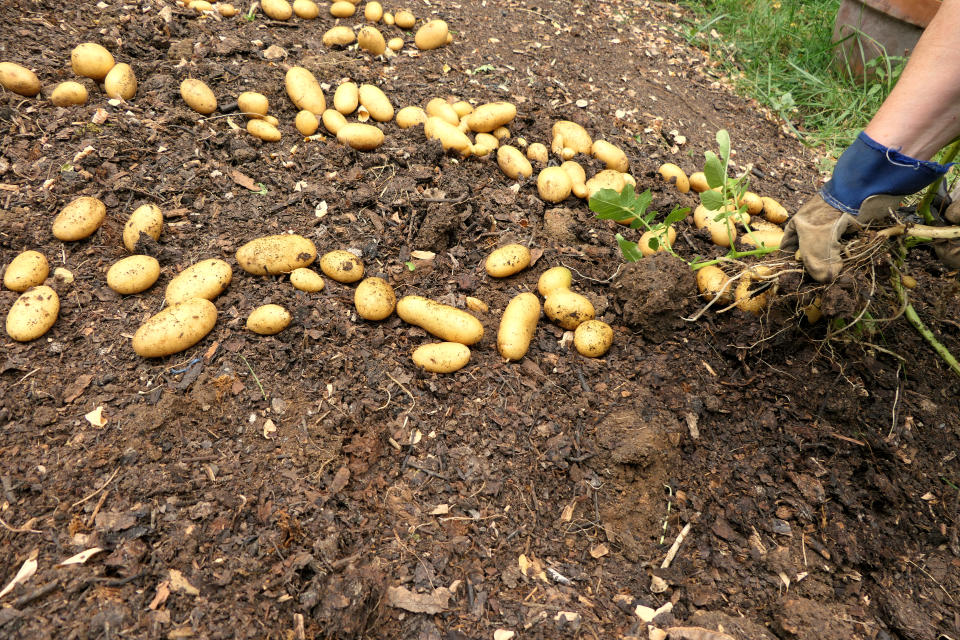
{"points": [[445, 322], [512, 163], [376, 102], [227, 10], [476, 304], [751, 202], [276, 9], [273, 255], [373, 12], [395, 44], [554, 185], [68, 93], [346, 98], [448, 135], [517, 326], [263, 130], [268, 319], [341, 266], [306, 9], [200, 6], [198, 96], [606, 179], [362, 137], [79, 219], [441, 357], [698, 182], [342, 9], [610, 155], [272, 121], [769, 238], [569, 138], [410, 117], [507, 260], [175, 329], [593, 338], [306, 280], [501, 133], [333, 121], [29, 269], [32, 315], [491, 116], [675, 176], [711, 280], [370, 39], [146, 219], [774, 211], [133, 274], [63, 276], [120, 83], [745, 302], [664, 243], [538, 153], [405, 19], [205, 279], [578, 177], [442, 109], [374, 299], [567, 308], [462, 108], [432, 35], [20, 80], [339, 36], [554, 278], [253, 104], [304, 90], [91, 60], [484, 144], [722, 232], [306, 123], [388, 19]]}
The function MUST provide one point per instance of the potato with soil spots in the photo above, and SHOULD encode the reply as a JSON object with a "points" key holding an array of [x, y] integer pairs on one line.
{"points": [[512, 162], [554, 278], [507, 260], [663, 243], [198, 96], [32, 315], [19, 79], [339, 36], [448, 135], [405, 20], [441, 357], [269, 319], [29, 269], [376, 102], [567, 308], [68, 94], [205, 279], [362, 137], [593, 338], [91, 60], [133, 274], [306, 280], [148, 219], [491, 116], [306, 9], [264, 130], [569, 139], [432, 35], [342, 9], [371, 40], [538, 153], [304, 91], [610, 155], [517, 326], [79, 219], [445, 322], [774, 211], [341, 266], [346, 98], [711, 280], [746, 300], [410, 117], [175, 329], [277, 254], [253, 104], [554, 184], [121, 82], [374, 299], [674, 175]]}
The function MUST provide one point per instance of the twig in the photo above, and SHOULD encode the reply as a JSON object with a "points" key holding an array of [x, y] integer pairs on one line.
{"points": [[102, 487], [44, 590], [17, 530], [672, 553], [429, 472], [405, 390], [255, 378]]}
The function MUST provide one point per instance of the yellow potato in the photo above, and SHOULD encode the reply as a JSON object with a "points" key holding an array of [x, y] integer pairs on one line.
{"points": [[273, 255], [68, 93], [29, 269], [133, 274], [146, 219], [570, 136], [388, 19], [376, 102], [769, 238], [79, 219], [339, 36], [306, 9], [341, 266], [175, 329], [554, 185], [253, 104], [448, 135], [198, 96], [722, 232], [370, 39], [32, 315], [507, 260], [751, 202], [442, 109], [593, 338], [20, 80], [264, 130], [554, 278], [410, 117], [610, 155], [431, 35], [346, 98], [774, 211], [200, 6], [272, 121], [501, 133], [462, 108], [711, 280], [268, 319], [484, 144], [405, 19], [227, 10], [567, 308], [476, 304], [442, 357], [306, 123], [538, 153], [205, 279], [333, 121], [276, 9], [342, 9], [664, 243], [755, 304], [578, 177], [491, 116], [698, 182], [304, 90], [374, 299], [445, 322], [512, 163], [91, 60], [120, 82], [517, 326], [675, 176], [306, 280], [62, 275], [373, 12], [362, 137], [395, 44], [606, 179]]}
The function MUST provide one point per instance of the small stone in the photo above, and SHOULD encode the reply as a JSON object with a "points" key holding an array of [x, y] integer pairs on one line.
{"points": [[582, 103], [658, 584]]}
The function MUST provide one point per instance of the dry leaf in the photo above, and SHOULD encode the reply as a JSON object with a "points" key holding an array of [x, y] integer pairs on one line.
{"points": [[440, 510], [244, 180], [423, 255], [403, 598], [340, 480], [96, 418], [535, 255], [75, 389], [163, 592], [100, 116], [503, 634], [81, 557], [567, 514], [599, 551], [179, 583], [26, 572], [269, 429]]}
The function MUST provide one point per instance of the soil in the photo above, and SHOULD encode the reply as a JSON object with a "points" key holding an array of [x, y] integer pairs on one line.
{"points": [[316, 484]]}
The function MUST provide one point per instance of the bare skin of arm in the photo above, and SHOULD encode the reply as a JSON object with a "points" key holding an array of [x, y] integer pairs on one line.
{"points": [[922, 113]]}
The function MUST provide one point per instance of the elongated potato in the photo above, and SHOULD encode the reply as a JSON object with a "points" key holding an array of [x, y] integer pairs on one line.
{"points": [[554, 185], [442, 109], [374, 299], [517, 326], [226, 9], [253, 104], [752, 202], [205, 279], [376, 102], [674, 175], [273, 255], [79, 219], [371, 40], [445, 322], [20, 80], [432, 35], [362, 137], [578, 177], [341, 266], [722, 232], [175, 329], [133, 274], [442, 357], [405, 19], [769, 238], [774, 211], [342, 9], [146, 219], [593, 338], [198, 96], [346, 98], [306, 9], [33, 313], [277, 9], [67, 94], [567, 308], [512, 163], [264, 130], [448, 135], [569, 139], [388, 19], [491, 116], [610, 155], [304, 90], [269, 319], [554, 278], [306, 280], [91, 60], [339, 36], [120, 82], [410, 117], [507, 260], [333, 121], [29, 269]]}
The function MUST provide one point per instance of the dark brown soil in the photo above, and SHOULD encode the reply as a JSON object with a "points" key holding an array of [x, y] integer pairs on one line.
{"points": [[289, 486]]}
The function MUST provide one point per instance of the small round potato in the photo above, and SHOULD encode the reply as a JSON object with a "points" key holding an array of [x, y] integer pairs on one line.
{"points": [[754, 304], [268, 319], [63, 276], [373, 11], [304, 90], [476, 304], [205, 279], [462, 108], [554, 278], [518, 325], [277, 254], [346, 98], [567, 308], [339, 36], [120, 82], [483, 144], [32, 315], [698, 182], [342, 9], [91, 60], [538, 153], [388, 19], [148, 219], [253, 104], [263, 130], [554, 184], [133, 274], [711, 280], [306, 9], [306, 123], [432, 35], [405, 19], [341, 266], [593, 338], [29, 269], [79, 219], [507, 260], [441, 357], [333, 121], [376, 102], [410, 116], [362, 137], [674, 175], [395, 44], [226, 9], [374, 299], [751, 202], [175, 329], [306, 280], [512, 163], [371, 40], [610, 155], [446, 322], [67, 94], [272, 121], [198, 96], [19, 79]]}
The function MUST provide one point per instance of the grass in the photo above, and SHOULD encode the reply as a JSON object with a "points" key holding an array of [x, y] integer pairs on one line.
{"points": [[781, 53]]}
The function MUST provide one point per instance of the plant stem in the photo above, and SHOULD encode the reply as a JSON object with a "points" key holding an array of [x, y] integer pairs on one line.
{"points": [[255, 378], [922, 329], [762, 251], [924, 207]]}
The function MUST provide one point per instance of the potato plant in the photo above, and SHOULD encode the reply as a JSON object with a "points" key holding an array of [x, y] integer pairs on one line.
{"points": [[631, 209]]}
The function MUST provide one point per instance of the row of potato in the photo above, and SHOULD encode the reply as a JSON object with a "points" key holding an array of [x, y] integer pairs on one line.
{"points": [[88, 60]]}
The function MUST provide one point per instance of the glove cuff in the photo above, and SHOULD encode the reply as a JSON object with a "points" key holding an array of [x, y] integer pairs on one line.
{"points": [[869, 168]]}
